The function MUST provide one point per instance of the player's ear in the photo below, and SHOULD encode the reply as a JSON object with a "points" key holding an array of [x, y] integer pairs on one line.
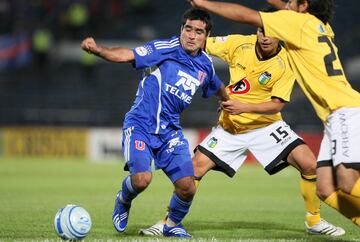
{"points": [[303, 7]]}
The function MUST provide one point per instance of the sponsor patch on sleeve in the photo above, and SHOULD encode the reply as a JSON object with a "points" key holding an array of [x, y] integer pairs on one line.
{"points": [[141, 51], [221, 38]]}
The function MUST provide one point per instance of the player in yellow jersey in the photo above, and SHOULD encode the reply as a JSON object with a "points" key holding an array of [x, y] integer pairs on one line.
{"points": [[304, 28], [260, 84]]}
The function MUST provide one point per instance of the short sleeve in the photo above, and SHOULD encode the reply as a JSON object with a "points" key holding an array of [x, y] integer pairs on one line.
{"points": [[282, 88], [224, 47], [211, 87], [153, 53], [285, 25]]}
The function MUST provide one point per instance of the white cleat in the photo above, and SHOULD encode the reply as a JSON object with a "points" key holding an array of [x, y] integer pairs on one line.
{"points": [[325, 228], [154, 230]]}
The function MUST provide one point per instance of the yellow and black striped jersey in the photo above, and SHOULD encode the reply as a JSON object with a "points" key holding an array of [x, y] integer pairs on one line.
{"points": [[313, 58], [251, 80]]}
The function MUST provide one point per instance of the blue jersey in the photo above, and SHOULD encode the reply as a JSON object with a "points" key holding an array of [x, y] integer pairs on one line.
{"points": [[170, 80]]}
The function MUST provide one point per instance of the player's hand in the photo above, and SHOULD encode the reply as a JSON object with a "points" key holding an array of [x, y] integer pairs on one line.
{"points": [[233, 106], [196, 3], [89, 45]]}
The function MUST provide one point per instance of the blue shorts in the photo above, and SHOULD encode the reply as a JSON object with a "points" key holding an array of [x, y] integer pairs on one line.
{"points": [[169, 151]]}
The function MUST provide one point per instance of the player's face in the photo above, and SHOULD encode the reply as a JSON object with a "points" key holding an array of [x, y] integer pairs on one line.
{"points": [[268, 45], [193, 36]]}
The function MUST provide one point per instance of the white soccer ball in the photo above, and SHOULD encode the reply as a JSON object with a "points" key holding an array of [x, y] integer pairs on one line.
{"points": [[72, 222]]}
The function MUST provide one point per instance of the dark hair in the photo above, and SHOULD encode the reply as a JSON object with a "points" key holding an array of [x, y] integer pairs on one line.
{"points": [[322, 9], [197, 14], [268, 9]]}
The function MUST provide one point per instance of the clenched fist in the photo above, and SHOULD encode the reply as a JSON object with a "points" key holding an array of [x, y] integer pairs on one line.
{"points": [[90, 46]]}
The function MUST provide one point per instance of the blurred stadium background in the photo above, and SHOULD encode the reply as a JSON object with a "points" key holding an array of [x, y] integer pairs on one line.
{"points": [[47, 81]]}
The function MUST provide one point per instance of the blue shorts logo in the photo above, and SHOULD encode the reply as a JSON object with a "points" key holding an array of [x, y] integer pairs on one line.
{"points": [[139, 145]]}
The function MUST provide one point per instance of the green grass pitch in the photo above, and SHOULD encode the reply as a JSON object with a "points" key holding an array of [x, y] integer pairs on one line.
{"points": [[252, 206]]}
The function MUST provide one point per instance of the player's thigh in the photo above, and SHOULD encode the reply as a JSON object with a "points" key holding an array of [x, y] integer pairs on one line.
{"points": [[173, 156], [271, 145], [344, 132], [202, 164], [136, 151], [227, 151], [303, 159], [324, 158], [325, 173]]}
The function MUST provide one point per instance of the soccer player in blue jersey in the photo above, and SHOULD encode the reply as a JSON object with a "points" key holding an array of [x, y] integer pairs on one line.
{"points": [[173, 70]]}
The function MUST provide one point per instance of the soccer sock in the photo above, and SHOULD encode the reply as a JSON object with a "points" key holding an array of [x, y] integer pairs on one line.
{"points": [[356, 189], [347, 205], [197, 183], [128, 192], [178, 208], [312, 201]]}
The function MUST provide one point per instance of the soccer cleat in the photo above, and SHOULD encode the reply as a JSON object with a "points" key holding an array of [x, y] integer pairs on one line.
{"points": [[153, 230], [176, 231], [326, 228], [120, 214]]}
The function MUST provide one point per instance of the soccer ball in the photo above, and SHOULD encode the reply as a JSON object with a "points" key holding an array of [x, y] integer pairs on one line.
{"points": [[72, 222]]}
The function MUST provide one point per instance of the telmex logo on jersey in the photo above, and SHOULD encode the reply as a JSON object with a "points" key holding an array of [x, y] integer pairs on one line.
{"points": [[188, 83]]}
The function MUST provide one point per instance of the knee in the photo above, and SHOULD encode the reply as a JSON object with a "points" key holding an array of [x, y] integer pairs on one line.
{"points": [[141, 181], [308, 168], [187, 191], [346, 178], [345, 186], [324, 192]]}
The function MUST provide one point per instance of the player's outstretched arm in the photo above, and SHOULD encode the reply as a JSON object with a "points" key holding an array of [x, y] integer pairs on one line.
{"points": [[278, 4], [232, 11], [234, 107], [116, 54]]}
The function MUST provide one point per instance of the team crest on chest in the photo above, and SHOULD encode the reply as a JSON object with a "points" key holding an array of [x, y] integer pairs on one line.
{"points": [[241, 87], [264, 78], [201, 76]]}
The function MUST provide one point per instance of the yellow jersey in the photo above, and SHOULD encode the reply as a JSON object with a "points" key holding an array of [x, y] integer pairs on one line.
{"points": [[251, 80], [313, 58]]}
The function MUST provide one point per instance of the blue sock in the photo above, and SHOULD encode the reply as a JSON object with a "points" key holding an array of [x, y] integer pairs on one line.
{"points": [[178, 208], [128, 192]]}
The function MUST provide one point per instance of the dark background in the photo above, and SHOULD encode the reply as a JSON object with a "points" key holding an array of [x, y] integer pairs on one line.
{"points": [[45, 79]]}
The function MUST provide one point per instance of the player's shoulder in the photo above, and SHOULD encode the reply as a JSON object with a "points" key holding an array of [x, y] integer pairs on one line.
{"points": [[290, 15], [205, 61], [169, 44], [233, 39], [282, 59], [206, 57]]}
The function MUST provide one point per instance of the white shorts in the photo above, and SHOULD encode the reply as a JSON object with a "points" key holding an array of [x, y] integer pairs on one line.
{"points": [[341, 141], [270, 146]]}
